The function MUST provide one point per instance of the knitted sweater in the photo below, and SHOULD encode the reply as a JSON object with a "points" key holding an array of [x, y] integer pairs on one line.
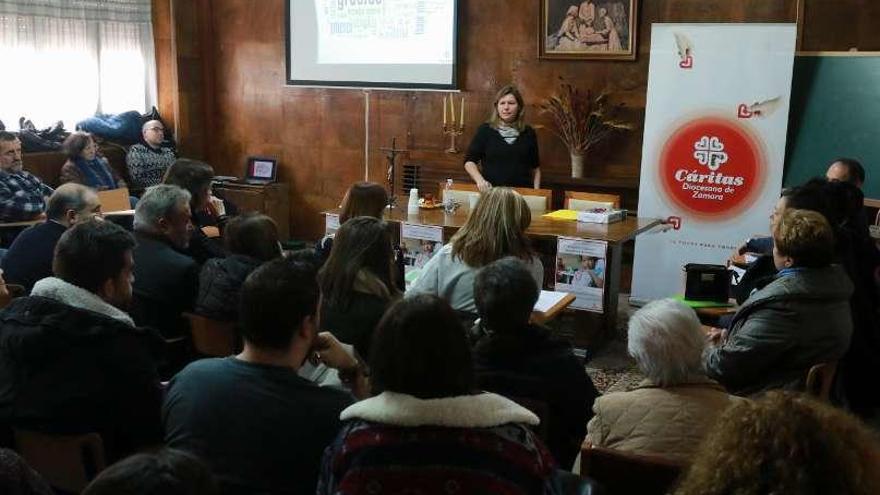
{"points": [[397, 443], [147, 165]]}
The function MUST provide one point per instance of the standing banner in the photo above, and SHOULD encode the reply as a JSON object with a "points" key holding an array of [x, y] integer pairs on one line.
{"points": [[714, 144]]}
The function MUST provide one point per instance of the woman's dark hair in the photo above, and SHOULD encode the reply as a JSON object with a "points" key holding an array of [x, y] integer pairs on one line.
{"points": [[253, 234], [363, 199], [74, 145], [167, 472], [362, 243], [192, 175], [505, 294], [420, 349]]}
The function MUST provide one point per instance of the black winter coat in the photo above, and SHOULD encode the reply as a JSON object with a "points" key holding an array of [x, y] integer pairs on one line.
{"points": [[220, 286]]}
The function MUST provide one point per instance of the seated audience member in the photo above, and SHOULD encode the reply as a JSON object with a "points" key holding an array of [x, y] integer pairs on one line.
{"points": [[846, 170], [251, 239], [259, 425], [363, 199], [357, 282], [800, 319], [428, 428], [676, 405], [71, 359], [521, 360], [22, 195], [30, 257], [84, 165], [207, 210], [495, 229], [166, 472], [17, 478], [785, 443], [165, 280], [148, 161]]}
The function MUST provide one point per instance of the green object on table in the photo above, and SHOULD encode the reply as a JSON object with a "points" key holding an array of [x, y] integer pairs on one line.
{"points": [[702, 304]]}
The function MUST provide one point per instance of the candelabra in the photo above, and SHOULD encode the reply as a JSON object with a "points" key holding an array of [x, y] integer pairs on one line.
{"points": [[453, 131]]}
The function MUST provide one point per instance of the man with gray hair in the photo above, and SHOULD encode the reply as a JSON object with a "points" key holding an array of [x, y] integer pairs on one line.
{"points": [[165, 279], [148, 162], [29, 259], [22, 195], [677, 404]]}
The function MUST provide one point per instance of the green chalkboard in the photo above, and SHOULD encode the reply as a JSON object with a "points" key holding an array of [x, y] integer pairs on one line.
{"points": [[835, 111]]}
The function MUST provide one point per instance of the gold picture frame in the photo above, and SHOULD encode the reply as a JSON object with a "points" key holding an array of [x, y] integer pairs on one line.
{"points": [[588, 30]]}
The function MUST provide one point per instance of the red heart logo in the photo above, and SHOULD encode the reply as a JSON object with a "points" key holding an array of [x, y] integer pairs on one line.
{"points": [[687, 63], [674, 221], [743, 112]]}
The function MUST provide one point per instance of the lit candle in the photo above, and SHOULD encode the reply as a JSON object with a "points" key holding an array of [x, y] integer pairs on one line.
{"points": [[444, 110], [452, 109], [461, 118]]}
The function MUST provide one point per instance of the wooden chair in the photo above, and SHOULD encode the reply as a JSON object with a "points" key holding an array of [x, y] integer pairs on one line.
{"points": [[583, 201], [212, 337], [115, 199], [537, 199], [820, 379], [67, 462], [460, 192], [622, 472]]}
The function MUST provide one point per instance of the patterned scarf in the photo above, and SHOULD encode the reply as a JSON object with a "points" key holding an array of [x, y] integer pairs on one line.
{"points": [[97, 173], [508, 133]]}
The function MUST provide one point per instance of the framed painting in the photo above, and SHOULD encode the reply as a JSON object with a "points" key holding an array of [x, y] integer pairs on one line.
{"points": [[588, 30]]}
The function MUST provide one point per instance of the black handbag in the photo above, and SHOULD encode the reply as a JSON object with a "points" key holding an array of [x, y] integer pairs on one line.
{"points": [[707, 282]]}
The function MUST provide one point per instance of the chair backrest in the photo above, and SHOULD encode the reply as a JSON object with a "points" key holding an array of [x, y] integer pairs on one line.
{"points": [[67, 462], [537, 199], [115, 199], [581, 201], [212, 337], [461, 192], [622, 472], [820, 379]]}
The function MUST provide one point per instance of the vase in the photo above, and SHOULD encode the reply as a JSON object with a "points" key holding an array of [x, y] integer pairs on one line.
{"points": [[577, 165]]}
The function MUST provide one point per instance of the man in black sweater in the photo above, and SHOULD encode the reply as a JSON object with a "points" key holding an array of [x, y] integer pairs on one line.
{"points": [[29, 259]]}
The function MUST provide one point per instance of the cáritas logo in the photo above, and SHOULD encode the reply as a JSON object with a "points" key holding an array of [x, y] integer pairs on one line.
{"points": [[711, 168]]}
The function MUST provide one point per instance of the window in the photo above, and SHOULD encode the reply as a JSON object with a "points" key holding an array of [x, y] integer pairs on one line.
{"points": [[68, 59]]}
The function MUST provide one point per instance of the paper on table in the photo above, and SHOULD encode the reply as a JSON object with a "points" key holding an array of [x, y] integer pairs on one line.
{"points": [[562, 215], [548, 299]]}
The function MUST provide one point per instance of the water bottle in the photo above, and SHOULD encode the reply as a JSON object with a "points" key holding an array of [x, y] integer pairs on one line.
{"points": [[448, 201]]}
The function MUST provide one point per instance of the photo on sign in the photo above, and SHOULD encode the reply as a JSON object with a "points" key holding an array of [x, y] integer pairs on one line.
{"points": [[417, 252], [592, 29], [418, 244], [581, 270]]}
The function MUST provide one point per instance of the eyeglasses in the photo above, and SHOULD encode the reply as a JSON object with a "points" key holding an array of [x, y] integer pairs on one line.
{"points": [[156, 129]]}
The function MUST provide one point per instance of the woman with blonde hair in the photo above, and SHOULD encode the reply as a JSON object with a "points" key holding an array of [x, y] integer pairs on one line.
{"points": [[785, 443], [504, 151], [496, 229]]}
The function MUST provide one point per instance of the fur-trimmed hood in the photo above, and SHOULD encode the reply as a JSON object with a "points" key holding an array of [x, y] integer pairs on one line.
{"points": [[483, 410], [71, 295]]}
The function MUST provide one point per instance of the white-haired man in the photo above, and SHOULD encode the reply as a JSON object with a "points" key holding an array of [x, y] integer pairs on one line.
{"points": [[673, 409], [165, 280], [148, 161]]}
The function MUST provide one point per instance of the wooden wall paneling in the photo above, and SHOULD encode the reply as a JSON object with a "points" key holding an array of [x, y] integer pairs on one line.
{"points": [[239, 98]]}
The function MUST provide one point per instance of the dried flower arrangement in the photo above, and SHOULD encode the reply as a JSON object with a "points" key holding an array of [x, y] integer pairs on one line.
{"points": [[582, 121]]}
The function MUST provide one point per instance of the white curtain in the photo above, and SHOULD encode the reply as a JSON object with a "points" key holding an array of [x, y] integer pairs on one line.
{"points": [[69, 59]]}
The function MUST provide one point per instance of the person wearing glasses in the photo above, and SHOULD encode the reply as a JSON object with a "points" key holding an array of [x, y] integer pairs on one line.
{"points": [[148, 161]]}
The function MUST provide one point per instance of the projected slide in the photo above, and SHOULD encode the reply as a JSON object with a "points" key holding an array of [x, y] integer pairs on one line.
{"points": [[403, 43], [384, 31]]}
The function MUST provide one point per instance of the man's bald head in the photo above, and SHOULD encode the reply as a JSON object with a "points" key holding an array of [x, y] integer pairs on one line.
{"points": [[73, 203], [846, 170], [154, 133]]}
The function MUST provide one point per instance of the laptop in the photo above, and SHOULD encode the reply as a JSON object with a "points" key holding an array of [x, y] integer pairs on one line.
{"points": [[261, 170]]}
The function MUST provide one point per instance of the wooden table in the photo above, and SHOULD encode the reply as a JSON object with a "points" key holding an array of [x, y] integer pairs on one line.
{"points": [[615, 234]]}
